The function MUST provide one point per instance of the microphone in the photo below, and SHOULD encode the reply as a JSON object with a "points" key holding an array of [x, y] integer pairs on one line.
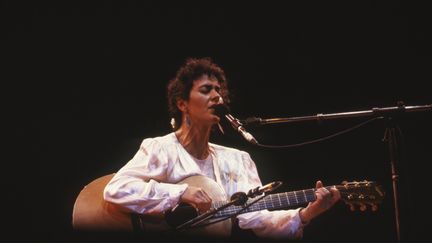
{"points": [[240, 198], [263, 189], [253, 121], [222, 110]]}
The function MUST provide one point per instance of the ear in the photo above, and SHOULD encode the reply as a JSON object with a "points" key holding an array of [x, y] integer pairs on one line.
{"points": [[181, 105]]}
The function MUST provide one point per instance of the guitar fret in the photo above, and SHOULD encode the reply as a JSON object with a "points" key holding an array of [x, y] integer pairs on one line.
{"points": [[254, 207], [304, 194], [312, 195], [289, 197], [288, 203], [275, 200], [280, 203], [283, 200], [295, 196]]}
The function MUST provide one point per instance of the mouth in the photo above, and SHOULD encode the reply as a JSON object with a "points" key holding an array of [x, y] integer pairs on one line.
{"points": [[213, 107], [213, 110], [218, 110]]}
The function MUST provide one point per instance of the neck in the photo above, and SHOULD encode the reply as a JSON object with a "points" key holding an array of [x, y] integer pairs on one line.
{"points": [[195, 140]]}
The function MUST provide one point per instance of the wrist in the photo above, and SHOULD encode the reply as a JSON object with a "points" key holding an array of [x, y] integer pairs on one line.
{"points": [[304, 216]]}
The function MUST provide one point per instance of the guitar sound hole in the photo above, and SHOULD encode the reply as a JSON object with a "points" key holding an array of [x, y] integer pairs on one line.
{"points": [[183, 213]]}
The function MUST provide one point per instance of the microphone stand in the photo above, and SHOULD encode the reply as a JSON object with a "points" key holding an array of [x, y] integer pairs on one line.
{"points": [[237, 199], [332, 116], [389, 136]]}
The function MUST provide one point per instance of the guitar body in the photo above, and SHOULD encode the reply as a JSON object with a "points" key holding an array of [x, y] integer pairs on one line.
{"points": [[92, 212], [217, 194]]}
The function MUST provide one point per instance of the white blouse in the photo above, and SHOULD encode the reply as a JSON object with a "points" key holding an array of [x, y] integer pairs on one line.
{"points": [[147, 183]]}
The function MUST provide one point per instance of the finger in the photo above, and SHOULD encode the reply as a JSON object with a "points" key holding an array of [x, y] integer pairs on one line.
{"points": [[204, 201], [319, 195], [195, 205], [323, 196], [318, 184], [204, 207], [335, 194], [207, 197], [202, 195], [324, 192]]}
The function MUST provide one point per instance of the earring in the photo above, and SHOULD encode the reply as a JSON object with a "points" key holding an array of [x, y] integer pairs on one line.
{"points": [[173, 123]]}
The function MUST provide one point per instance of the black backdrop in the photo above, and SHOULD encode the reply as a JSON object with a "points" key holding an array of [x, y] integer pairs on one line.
{"points": [[88, 84]]}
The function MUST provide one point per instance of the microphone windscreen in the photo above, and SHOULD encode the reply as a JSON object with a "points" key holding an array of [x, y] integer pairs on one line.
{"points": [[221, 109]]}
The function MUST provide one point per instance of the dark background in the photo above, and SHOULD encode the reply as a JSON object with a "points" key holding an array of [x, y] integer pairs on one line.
{"points": [[85, 83]]}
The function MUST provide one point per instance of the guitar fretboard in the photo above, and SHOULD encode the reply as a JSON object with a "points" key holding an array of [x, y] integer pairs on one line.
{"points": [[272, 201]]}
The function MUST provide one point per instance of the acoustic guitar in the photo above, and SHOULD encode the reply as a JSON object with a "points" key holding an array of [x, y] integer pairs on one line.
{"points": [[92, 212]]}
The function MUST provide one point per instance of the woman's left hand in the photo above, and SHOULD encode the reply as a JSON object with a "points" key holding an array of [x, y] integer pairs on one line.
{"points": [[325, 199]]}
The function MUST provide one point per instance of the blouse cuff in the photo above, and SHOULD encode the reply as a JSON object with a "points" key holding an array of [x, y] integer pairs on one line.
{"points": [[303, 223], [175, 192]]}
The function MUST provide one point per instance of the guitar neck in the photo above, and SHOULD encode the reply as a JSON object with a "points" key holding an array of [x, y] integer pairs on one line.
{"points": [[272, 201]]}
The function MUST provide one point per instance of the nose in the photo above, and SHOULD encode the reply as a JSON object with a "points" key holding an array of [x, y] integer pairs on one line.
{"points": [[220, 100], [217, 98]]}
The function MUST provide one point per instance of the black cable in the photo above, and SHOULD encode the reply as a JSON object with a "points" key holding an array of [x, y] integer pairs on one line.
{"points": [[231, 216], [319, 139]]}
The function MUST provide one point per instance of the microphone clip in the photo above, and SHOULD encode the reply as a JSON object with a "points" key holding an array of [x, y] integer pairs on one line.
{"points": [[238, 126], [264, 189], [240, 198], [223, 111]]}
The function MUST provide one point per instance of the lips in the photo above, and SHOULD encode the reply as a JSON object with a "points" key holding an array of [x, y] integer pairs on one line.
{"points": [[219, 109], [214, 110]]}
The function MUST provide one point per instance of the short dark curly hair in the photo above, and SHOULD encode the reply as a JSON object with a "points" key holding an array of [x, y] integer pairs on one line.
{"points": [[180, 86]]}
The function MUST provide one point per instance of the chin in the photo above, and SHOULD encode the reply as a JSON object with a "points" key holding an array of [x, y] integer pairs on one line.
{"points": [[216, 119]]}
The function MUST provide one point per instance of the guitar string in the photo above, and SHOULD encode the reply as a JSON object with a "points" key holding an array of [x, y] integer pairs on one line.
{"points": [[307, 195], [271, 198], [292, 195], [275, 201], [252, 202], [257, 204]]}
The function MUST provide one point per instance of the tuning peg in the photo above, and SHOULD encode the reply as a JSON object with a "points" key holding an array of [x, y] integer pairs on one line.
{"points": [[363, 207], [352, 207], [374, 207], [368, 183]]}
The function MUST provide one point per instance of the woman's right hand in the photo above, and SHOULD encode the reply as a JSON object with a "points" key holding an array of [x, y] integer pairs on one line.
{"points": [[197, 197]]}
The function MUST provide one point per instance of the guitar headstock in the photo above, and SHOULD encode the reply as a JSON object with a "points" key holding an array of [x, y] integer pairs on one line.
{"points": [[361, 194]]}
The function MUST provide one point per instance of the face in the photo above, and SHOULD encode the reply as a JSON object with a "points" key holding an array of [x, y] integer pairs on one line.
{"points": [[205, 93]]}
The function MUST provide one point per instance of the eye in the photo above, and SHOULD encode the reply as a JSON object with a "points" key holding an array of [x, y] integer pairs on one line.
{"points": [[206, 89]]}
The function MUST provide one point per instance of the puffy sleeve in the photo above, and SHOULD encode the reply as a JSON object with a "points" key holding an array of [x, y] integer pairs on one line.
{"points": [[139, 185], [268, 224]]}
